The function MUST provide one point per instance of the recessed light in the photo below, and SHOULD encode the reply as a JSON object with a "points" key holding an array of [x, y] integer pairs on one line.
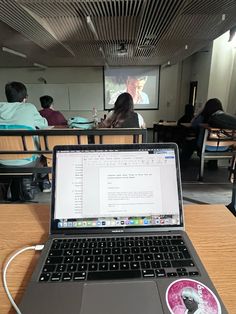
{"points": [[14, 52]]}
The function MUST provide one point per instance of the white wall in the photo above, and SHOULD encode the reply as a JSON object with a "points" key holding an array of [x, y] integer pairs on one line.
{"points": [[221, 69], [201, 65], [54, 76], [231, 108], [185, 78], [168, 87], [195, 68], [169, 90]]}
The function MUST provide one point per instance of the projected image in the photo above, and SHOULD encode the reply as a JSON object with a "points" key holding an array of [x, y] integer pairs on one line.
{"points": [[141, 83]]}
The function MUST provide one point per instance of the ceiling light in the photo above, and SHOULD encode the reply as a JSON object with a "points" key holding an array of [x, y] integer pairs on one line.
{"points": [[186, 47], [91, 26], [40, 65], [122, 50], [13, 52], [223, 17]]}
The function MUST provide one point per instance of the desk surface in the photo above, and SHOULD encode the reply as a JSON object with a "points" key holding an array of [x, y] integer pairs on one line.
{"points": [[208, 226]]}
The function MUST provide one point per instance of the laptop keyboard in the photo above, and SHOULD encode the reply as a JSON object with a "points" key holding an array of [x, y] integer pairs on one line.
{"points": [[78, 259]]}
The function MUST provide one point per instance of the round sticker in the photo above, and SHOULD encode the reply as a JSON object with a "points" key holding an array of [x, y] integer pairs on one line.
{"points": [[185, 296]]}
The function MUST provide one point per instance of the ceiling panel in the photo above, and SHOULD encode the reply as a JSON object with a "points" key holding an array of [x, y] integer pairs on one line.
{"points": [[126, 32]]}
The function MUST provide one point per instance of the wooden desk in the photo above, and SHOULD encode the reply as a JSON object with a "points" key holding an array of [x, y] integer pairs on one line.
{"points": [[209, 227], [167, 132]]}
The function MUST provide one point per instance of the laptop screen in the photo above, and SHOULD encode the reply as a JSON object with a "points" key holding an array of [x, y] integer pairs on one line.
{"points": [[116, 186]]}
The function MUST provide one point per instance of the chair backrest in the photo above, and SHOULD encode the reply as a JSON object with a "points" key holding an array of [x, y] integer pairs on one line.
{"points": [[216, 144], [120, 136], [16, 143], [218, 138], [48, 141]]}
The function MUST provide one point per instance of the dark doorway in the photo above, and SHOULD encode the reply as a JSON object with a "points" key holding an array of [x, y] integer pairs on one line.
{"points": [[193, 93]]}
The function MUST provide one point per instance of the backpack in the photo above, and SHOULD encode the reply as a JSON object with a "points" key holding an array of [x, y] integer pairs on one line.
{"points": [[222, 120], [81, 123], [21, 189]]}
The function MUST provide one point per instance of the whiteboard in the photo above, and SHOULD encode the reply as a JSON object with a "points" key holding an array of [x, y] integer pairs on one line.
{"points": [[86, 96], [59, 92]]}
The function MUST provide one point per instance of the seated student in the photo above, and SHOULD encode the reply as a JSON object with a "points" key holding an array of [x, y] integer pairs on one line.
{"points": [[48, 112], [211, 106], [188, 114], [183, 133], [123, 115], [17, 113]]}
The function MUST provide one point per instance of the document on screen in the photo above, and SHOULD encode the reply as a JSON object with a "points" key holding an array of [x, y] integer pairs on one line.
{"points": [[130, 191]]}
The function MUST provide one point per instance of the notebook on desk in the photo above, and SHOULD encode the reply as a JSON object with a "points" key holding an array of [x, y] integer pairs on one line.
{"points": [[117, 242]]}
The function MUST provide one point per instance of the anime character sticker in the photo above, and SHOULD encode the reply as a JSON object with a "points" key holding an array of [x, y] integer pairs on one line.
{"points": [[185, 296]]}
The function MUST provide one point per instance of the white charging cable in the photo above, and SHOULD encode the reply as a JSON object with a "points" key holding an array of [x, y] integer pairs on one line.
{"points": [[38, 247]]}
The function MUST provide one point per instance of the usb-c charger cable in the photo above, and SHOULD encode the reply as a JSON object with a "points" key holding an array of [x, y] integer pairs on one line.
{"points": [[38, 247]]}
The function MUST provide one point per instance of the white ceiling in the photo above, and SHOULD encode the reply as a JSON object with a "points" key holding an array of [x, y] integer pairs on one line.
{"points": [[56, 32]]}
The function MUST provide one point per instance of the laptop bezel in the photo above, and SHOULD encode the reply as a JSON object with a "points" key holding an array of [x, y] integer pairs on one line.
{"points": [[114, 229]]}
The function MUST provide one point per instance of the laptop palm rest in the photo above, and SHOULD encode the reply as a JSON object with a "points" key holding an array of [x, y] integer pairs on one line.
{"points": [[121, 297]]}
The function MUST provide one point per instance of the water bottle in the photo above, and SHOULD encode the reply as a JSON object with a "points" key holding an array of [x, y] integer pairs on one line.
{"points": [[95, 117]]}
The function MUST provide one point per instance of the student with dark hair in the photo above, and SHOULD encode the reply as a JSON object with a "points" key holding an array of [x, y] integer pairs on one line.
{"points": [[123, 115], [53, 117], [15, 92], [188, 114], [211, 106], [17, 111]]}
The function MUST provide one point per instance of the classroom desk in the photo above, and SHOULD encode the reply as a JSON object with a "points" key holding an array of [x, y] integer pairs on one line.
{"points": [[163, 127], [210, 227]]}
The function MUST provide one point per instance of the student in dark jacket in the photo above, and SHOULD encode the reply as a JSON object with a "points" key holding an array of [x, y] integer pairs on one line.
{"points": [[123, 115], [53, 117], [188, 114], [211, 106]]}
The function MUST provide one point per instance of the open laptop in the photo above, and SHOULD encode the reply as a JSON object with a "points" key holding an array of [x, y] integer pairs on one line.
{"points": [[117, 242]]}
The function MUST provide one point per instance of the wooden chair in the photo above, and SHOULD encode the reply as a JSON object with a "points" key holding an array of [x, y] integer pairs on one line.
{"points": [[120, 136], [19, 144], [13, 145], [22, 143], [16, 147], [216, 138], [60, 136]]}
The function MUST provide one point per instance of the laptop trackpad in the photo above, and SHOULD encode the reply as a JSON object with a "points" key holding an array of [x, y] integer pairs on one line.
{"points": [[121, 297]]}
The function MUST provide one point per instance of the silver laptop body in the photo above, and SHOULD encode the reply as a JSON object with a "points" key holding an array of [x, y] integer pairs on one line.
{"points": [[117, 242]]}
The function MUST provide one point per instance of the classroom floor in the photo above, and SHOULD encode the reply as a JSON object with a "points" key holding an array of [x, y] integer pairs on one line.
{"points": [[215, 187]]}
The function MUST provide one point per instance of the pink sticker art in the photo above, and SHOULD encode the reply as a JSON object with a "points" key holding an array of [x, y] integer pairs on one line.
{"points": [[185, 296]]}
